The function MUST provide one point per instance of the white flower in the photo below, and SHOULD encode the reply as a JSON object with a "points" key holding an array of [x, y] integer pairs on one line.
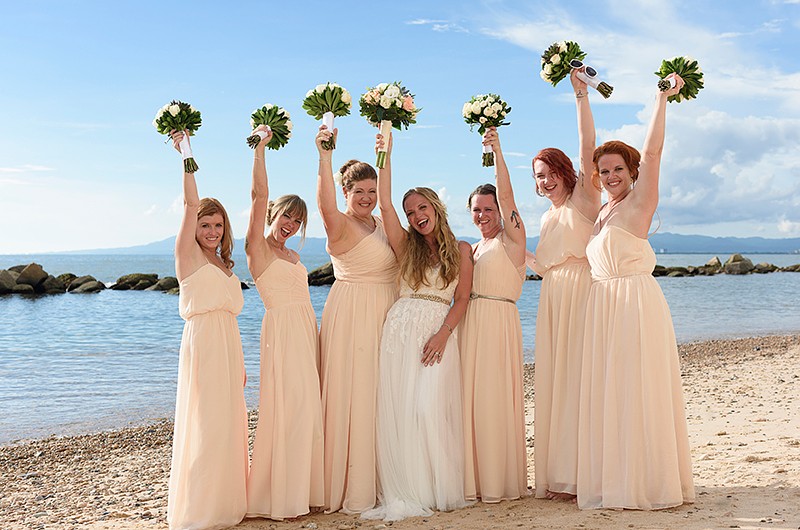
{"points": [[160, 113], [252, 123], [281, 111], [268, 106], [555, 59], [488, 112], [174, 110], [155, 124], [484, 102], [289, 124], [497, 107], [192, 109], [544, 76], [476, 107], [466, 110], [308, 94], [288, 135], [548, 69], [338, 178], [320, 89], [382, 87], [386, 102], [392, 91], [562, 46], [346, 97], [482, 119]]}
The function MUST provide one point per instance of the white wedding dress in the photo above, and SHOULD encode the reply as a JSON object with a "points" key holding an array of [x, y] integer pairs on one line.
{"points": [[420, 443]]}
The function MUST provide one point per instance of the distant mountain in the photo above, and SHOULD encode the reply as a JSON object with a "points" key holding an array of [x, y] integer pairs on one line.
{"points": [[661, 242]]}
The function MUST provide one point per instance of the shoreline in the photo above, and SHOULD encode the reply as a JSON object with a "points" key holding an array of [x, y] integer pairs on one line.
{"points": [[743, 413]]}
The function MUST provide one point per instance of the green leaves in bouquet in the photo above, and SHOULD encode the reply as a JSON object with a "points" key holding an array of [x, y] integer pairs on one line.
{"points": [[561, 68], [496, 119], [689, 71], [277, 119], [400, 116], [329, 100], [187, 118]]}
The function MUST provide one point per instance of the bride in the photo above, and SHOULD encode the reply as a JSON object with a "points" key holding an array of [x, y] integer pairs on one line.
{"points": [[419, 418]]}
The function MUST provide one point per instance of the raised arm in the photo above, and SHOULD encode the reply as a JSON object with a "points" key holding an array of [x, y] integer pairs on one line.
{"points": [[395, 232], [514, 227], [645, 195], [188, 256], [334, 221], [585, 196], [438, 341], [255, 245]]}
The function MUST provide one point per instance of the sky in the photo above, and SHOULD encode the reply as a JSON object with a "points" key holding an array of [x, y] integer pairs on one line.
{"points": [[81, 165]]}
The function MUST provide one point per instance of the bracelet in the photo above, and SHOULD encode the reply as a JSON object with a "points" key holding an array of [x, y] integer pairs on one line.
{"points": [[257, 158], [445, 324], [579, 95], [324, 159]]}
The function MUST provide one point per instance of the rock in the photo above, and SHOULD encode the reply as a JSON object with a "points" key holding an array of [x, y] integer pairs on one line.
{"points": [[164, 284], [322, 275], [176, 290], [137, 281], [32, 275], [764, 267], [80, 280], [23, 288], [7, 282], [66, 278], [89, 287], [738, 264], [791, 268], [52, 285], [660, 270], [17, 268], [714, 263], [672, 272], [676, 274]]}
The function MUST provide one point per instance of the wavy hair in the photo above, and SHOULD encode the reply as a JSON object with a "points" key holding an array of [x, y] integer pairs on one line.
{"points": [[291, 205], [417, 257], [558, 162], [210, 206], [630, 155]]}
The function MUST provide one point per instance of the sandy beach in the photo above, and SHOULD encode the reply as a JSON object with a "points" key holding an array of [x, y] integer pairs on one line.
{"points": [[743, 409]]}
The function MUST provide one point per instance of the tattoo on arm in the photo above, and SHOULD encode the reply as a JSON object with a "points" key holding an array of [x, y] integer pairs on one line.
{"points": [[580, 178], [515, 218]]}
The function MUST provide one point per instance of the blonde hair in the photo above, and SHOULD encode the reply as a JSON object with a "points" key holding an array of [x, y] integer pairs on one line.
{"points": [[210, 206], [291, 205], [417, 257]]}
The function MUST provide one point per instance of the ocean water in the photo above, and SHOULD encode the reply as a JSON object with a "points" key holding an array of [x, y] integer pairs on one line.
{"points": [[81, 363]]}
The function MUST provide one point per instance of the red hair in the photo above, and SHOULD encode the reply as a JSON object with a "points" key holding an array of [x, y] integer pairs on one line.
{"points": [[629, 155], [559, 162]]}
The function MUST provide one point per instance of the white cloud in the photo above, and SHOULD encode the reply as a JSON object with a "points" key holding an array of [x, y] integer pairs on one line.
{"points": [[150, 211], [25, 168], [438, 25], [787, 227]]}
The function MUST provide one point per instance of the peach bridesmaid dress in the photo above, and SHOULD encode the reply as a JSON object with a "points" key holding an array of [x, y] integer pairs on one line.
{"points": [[350, 334], [490, 341], [634, 445], [286, 468], [562, 264], [209, 447]]}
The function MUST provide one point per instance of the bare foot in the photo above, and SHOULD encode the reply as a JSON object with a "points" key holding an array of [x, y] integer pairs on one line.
{"points": [[560, 496]]}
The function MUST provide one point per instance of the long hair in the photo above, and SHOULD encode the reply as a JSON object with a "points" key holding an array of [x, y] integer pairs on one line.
{"points": [[558, 162], [210, 206], [291, 205], [629, 155], [417, 257]]}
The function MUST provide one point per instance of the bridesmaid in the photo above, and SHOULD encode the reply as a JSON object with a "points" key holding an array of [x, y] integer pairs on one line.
{"points": [[634, 445], [350, 332], [286, 469], [561, 262], [491, 345], [209, 447]]}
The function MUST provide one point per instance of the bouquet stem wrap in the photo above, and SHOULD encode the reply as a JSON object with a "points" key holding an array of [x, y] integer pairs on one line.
{"points": [[589, 76], [485, 110], [189, 165], [488, 156], [179, 116], [327, 121], [690, 72], [323, 102], [386, 129]]}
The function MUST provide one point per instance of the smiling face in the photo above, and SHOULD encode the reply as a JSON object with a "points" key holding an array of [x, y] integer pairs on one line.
{"points": [[285, 226], [362, 197], [209, 232], [549, 183], [614, 175], [485, 214], [420, 214]]}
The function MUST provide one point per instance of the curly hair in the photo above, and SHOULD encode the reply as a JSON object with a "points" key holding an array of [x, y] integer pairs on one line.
{"points": [[417, 257], [210, 206], [629, 155], [559, 162], [354, 171], [292, 205]]}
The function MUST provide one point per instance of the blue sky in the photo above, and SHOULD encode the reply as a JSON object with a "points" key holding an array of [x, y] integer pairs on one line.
{"points": [[82, 167]]}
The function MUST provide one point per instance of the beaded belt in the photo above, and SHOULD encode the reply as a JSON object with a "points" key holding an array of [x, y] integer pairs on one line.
{"points": [[473, 296], [430, 298]]}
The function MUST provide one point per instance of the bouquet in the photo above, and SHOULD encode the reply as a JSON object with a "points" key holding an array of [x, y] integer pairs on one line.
{"points": [[179, 116], [689, 71], [388, 105], [561, 57], [277, 120], [324, 103], [485, 110]]}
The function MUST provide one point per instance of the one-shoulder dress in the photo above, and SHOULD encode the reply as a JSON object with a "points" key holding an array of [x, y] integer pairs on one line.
{"points": [[562, 264], [350, 335], [420, 433], [490, 341], [634, 445], [209, 447], [286, 468]]}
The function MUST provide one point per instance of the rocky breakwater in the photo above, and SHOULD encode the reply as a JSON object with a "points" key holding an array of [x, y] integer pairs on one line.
{"points": [[736, 265]]}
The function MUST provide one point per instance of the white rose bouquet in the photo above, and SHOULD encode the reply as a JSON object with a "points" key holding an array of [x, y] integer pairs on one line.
{"points": [[485, 110], [690, 72], [276, 119], [388, 105], [179, 116], [325, 102], [561, 57]]}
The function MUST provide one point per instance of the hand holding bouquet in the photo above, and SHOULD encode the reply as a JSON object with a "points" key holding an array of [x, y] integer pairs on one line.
{"points": [[485, 110], [561, 57], [180, 116], [688, 69], [274, 118], [325, 102], [388, 105]]}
